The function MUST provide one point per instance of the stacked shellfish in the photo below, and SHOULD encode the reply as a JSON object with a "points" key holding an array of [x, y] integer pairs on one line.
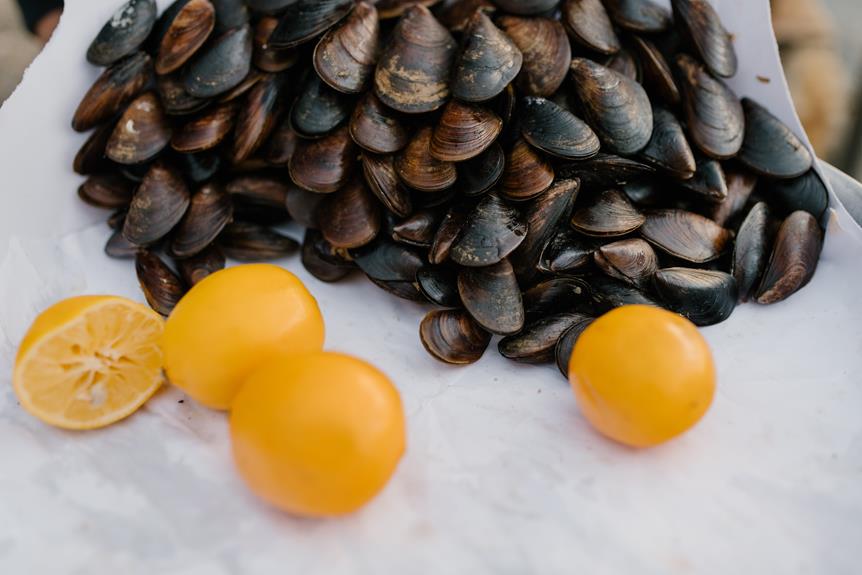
{"points": [[524, 165]]}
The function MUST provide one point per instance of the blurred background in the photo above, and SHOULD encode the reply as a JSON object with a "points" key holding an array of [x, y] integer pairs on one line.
{"points": [[821, 49]]}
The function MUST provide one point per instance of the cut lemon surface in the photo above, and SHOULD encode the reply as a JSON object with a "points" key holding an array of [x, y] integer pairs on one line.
{"points": [[89, 361]]}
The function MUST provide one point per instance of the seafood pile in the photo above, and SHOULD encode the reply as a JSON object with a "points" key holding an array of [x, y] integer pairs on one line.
{"points": [[523, 165]]}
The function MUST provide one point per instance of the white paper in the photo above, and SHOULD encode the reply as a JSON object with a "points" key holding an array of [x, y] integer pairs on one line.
{"points": [[502, 474]]}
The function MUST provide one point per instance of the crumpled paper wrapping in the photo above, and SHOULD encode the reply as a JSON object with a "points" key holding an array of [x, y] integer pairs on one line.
{"points": [[502, 474]]}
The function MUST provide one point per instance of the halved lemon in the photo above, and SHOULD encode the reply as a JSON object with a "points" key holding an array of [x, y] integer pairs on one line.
{"points": [[89, 361]]}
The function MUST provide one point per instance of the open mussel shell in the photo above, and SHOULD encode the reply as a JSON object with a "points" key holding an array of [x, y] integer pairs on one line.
{"points": [[163, 289], [109, 191], [220, 65], [632, 261], [376, 128], [641, 16], [209, 211], [248, 242], [141, 132], [565, 251], [419, 169], [751, 250], [713, 113], [617, 107], [322, 260], [709, 180], [488, 62], [479, 175], [158, 205], [770, 148], [112, 90], [492, 296], [558, 294], [412, 75], [324, 165], [542, 216], [380, 175], [589, 25], [305, 20], [351, 217], [267, 57], [546, 52], [607, 214], [566, 344], [281, 145], [187, 32], [205, 131], [794, 258], [492, 231], [257, 117], [538, 341], [555, 130], [345, 57], [668, 147], [319, 109], [526, 174], [700, 23], [610, 293], [449, 230], [657, 75], [91, 159], [201, 265], [686, 235], [464, 131], [806, 192], [119, 247], [304, 207], [174, 97], [452, 336], [230, 14], [740, 184], [604, 170], [705, 297], [527, 7], [124, 33], [419, 228]]}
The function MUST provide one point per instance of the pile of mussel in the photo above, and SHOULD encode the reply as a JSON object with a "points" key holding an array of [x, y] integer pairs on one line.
{"points": [[524, 165]]}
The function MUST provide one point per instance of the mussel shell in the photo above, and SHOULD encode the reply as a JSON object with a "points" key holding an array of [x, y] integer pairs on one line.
{"points": [[546, 53], [538, 341], [380, 175], [162, 288], [457, 16], [702, 26], [708, 181], [391, 267], [492, 231], [220, 65], [205, 131], [345, 57], [419, 228], [479, 175], [141, 132], [123, 33], [492, 297], [350, 218], [112, 90], [422, 171], [91, 159], [175, 99], [201, 265], [609, 293], [319, 109], [806, 192], [713, 113], [565, 251], [607, 214], [625, 63], [566, 344], [322, 260], [542, 216], [262, 194], [254, 76], [449, 230], [282, 144], [109, 191], [794, 258], [751, 250], [770, 148], [230, 14], [604, 170], [632, 261], [527, 7], [188, 30], [201, 166], [158, 205], [526, 174], [439, 285], [555, 130], [616, 107], [668, 147], [412, 75], [209, 211], [657, 74], [706, 297], [324, 165], [267, 57], [464, 131], [558, 294], [488, 62], [304, 206], [452, 336], [646, 192], [304, 20], [376, 128], [639, 15], [740, 184], [248, 242], [408, 290], [257, 117], [589, 24], [686, 235], [119, 247]]}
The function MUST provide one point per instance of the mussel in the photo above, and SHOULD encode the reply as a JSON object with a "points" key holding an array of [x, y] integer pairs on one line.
{"points": [[538, 341], [566, 344], [439, 285], [112, 90], [479, 175], [209, 211], [304, 20], [702, 26], [319, 109], [632, 261], [492, 231], [546, 53], [464, 131], [806, 192], [141, 132], [740, 184], [109, 191], [708, 180], [751, 251], [345, 57], [607, 214], [419, 228], [488, 62], [449, 230], [201, 265], [123, 33], [686, 235], [492, 297], [257, 117], [565, 251], [452, 336], [770, 148], [220, 65], [562, 293], [267, 57], [555, 130], [189, 28], [323, 260], [668, 147], [526, 174], [657, 74], [248, 242], [350, 218], [382, 179], [207, 130], [793, 260], [162, 288], [640, 16], [376, 128], [705, 297], [324, 165], [419, 169], [158, 205], [589, 24]]}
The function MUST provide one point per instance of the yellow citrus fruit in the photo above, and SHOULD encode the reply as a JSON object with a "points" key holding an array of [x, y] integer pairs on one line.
{"points": [[233, 321], [318, 434], [89, 361], [642, 375]]}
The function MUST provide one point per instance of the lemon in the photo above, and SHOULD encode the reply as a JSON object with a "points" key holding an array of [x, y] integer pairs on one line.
{"points": [[89, 361]]}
